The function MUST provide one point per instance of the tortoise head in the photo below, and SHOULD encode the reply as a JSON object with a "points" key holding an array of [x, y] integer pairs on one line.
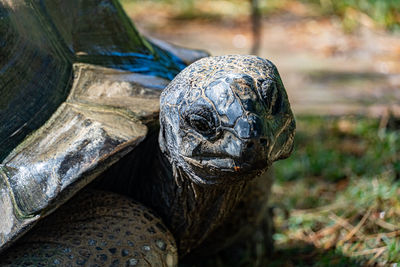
{"points": [[226, 119]]}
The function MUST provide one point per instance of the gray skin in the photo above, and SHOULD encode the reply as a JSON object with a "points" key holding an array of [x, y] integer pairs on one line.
{"points": [[224, 120]]}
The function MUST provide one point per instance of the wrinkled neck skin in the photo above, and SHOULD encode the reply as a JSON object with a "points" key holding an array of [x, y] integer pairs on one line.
{"points": [[192, 211]]}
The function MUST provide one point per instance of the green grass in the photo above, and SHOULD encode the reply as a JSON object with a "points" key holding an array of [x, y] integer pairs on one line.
{"points": [[340, 148], [338, 194], [352, 13], [383, 12]]}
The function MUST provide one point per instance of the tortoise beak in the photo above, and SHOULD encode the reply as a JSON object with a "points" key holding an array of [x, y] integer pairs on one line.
{"points": [[231, 158]]}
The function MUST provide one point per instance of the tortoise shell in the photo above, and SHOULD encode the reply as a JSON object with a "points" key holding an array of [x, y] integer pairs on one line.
{"points": [[79, 88]]}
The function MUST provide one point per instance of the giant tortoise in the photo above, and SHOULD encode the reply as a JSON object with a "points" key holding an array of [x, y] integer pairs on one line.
{"points": [[102, 166]]}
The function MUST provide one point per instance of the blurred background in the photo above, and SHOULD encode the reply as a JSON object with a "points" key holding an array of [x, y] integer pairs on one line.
{"points": [[337, 199]]}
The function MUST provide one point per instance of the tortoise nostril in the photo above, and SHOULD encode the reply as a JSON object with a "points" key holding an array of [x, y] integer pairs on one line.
{"points": [[264, 141]]}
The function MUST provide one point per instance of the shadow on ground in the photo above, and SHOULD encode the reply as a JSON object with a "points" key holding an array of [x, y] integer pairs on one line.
{"points": [[298, 254], [303, 254]]}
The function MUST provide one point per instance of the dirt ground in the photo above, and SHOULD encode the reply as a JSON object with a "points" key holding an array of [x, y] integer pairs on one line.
{"points": [[324, 69]]}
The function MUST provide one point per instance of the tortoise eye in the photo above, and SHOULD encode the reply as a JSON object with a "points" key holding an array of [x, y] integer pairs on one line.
{"points": [[271, 96], [200, 124], [202, 121]]}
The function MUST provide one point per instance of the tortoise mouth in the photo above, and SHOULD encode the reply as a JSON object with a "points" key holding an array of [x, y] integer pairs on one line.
{"points": [[224, 164], [219, 169]]}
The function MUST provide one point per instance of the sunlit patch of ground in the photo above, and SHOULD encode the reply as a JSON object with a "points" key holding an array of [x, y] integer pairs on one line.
{"points": [[339, 193]]}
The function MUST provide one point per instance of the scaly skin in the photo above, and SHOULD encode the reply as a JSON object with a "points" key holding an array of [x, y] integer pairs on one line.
{"points": [[224, 120]]}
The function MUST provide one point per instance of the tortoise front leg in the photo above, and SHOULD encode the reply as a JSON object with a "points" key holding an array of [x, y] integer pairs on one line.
{"points": [[96, 229]]}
